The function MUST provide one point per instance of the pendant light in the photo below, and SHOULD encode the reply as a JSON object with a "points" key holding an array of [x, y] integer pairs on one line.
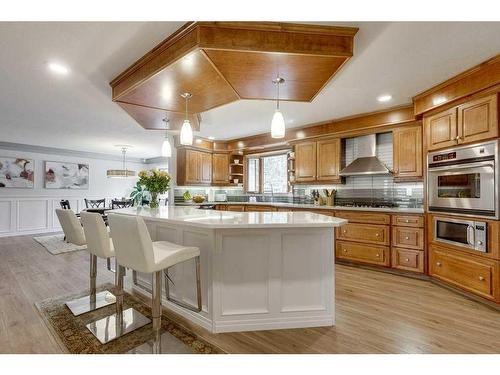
{"points": [[121, 173], [186, 137], [166, 149], [278, 121]]}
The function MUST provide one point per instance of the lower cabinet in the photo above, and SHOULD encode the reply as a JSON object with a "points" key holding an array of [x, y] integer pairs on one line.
{"points": [[259, 208], [408, 260], [364, 253], [474, 274]]}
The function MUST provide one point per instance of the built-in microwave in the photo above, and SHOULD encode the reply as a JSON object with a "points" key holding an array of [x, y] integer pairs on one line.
{"points": [[464, 233]]}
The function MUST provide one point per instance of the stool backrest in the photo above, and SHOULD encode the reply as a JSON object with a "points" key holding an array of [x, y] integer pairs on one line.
{"points": [[133, 245], [71, 227], [96, 233]]}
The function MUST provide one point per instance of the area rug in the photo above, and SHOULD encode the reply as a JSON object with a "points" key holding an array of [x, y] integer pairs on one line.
{"points": [[74, 338], [55, 244]]}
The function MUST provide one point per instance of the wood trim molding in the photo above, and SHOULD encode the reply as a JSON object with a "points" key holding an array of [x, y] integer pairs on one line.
{"points": [[473, 80]]}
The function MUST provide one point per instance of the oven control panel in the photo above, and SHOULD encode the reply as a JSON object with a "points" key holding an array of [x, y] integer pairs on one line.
{"points": [[444, 157]]}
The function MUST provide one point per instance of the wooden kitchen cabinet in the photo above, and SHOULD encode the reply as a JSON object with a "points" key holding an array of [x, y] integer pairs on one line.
{"points": [[407, 259], [408, 238], [328, 160], [364, 253], [364, 217], [477, 119], [305, 162], [441, 129], [407, 153], [318, 161], [408, 220], [194, 167], [259, 208], [366, 233], [235, 207], [477, 275], [220, 169], [473, 121]]}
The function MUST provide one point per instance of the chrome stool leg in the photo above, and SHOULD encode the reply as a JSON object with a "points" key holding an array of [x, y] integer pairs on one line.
{"points": [[122, 321], [95, 300], [198, 289]]}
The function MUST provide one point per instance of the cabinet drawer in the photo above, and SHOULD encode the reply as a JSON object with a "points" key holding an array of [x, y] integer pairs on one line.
{"points": [[408, 220], [410, 260], [235, 207], [364, 217], [368, 233], [475, 275], [359, 252], [258, 208], [411, 238]]}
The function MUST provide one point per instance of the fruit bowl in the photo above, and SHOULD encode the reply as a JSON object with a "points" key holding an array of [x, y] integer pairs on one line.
{"points": [[198, 198]]}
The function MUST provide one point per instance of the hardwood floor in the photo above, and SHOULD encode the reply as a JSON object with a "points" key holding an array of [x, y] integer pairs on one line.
{"points": [[376, 312]]}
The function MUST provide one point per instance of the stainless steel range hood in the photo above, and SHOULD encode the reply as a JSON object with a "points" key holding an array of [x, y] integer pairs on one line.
{"points": [[367, 162]]}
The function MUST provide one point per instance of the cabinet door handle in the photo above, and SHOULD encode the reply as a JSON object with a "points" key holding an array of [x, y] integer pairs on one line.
{"points": [[481, 278], [407, 260], [438, 264], [377, 234], [345, 251], [407, 238], [344, 231], [407, 221], [377, 255]]}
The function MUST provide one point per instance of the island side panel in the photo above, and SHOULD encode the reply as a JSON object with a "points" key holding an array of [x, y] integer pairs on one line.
{"points": [[273, 278]]}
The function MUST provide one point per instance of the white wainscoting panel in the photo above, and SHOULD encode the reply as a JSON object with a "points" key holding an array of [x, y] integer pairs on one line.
{"points": [[6, 214], [32, 214], [245, 274]]}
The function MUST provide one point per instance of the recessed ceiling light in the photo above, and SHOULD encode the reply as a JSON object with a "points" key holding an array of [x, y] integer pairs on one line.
{"points": [[211, 138], [58, 68], [384, 98]]}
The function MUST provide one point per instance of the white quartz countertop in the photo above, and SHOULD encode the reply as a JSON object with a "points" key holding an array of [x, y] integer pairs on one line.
{"points": [[227, 219], [315, 207]]}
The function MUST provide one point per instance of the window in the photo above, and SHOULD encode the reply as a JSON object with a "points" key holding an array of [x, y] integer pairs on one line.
{"points": [[274, 176]]}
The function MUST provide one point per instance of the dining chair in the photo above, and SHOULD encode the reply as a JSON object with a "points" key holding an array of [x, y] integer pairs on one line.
{"points": [[95, 203], [118, 203]]}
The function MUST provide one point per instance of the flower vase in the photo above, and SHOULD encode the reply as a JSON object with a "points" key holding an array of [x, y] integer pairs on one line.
{"points": [[154, 203]]}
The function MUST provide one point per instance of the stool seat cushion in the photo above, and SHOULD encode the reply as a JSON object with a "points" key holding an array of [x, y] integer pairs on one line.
{"points": [[167, 254]]}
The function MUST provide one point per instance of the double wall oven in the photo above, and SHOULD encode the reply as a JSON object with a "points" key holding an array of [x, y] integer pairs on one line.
{"points": [[463, 181]]}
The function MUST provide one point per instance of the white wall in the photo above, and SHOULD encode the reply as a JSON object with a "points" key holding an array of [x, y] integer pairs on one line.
{"points": [[28, 211]]}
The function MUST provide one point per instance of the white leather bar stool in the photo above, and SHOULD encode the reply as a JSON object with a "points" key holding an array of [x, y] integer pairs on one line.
{"points": [[135, 249], [75, 234]]}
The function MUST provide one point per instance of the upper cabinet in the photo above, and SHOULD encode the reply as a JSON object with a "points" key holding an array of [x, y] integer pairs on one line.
{"points": [[328, 159], [220, 169], [472, 121], [407, 153], [305, 162], [318, 161], [193, 167]]}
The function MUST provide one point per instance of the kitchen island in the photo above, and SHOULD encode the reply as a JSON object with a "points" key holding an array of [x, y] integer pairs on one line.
{"points": [[259, 270]]}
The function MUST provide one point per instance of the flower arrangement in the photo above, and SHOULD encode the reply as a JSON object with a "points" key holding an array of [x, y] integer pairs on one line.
{"points": [[156, 182]]}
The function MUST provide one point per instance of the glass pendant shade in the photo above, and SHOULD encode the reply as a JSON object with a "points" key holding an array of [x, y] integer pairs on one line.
{"points": [[186, 134], [278, 125], [166, 149]]}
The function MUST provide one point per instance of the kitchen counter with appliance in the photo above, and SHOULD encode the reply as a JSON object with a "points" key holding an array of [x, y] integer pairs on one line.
{"points": [[314, 207], [259, 270]]}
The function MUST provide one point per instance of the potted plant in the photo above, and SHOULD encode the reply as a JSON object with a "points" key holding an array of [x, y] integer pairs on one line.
{"points": [[156, 182]]}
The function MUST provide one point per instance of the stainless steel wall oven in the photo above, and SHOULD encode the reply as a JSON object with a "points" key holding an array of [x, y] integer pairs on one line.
{"points": [[464, 180]]}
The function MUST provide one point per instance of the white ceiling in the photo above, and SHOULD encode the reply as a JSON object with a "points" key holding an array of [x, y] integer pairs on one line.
{"points": [[76, 111]]}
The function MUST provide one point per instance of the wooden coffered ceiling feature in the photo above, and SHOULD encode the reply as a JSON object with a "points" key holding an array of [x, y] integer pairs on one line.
{"points": [[220, 62], [152, 118]]}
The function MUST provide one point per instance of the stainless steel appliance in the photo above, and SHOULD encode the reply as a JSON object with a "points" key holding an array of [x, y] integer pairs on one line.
{"points": [[464, 180], [464, 233]]}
